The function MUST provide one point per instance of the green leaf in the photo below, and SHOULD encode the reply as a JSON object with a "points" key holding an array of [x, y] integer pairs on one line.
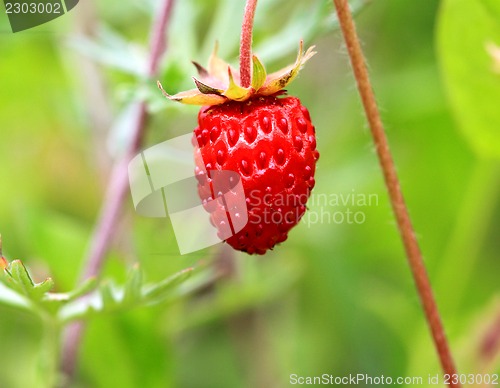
{"points": [[466, 29], [86, 287], [40, 289], [21, 278], [133, 286], [133, 294], [162, 289]]}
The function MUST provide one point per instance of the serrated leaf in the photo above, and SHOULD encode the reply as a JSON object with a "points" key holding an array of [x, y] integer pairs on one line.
{"points": [[86, 287], [465, 29], [21, 277], [259, 73], [163, 289], [133, 287], [40, 289]]}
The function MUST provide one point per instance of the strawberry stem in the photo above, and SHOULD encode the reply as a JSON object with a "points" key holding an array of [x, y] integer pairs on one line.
{"points": [[406, 230], [246, 44]]}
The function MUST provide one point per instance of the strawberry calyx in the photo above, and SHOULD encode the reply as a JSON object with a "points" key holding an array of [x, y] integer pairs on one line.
{"points": [[219, 82]]}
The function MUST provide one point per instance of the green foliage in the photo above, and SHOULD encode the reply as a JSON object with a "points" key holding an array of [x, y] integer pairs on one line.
{"points": [[82, 302], [466, 31]]}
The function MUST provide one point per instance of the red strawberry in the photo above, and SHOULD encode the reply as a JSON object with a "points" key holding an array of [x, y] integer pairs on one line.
{"points": [[271, 143], [269, 140]]}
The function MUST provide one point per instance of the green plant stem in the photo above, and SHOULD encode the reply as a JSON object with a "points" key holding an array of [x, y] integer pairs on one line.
{"points": [[246, 44], [118, 186], [406, 230], [50, 352]]}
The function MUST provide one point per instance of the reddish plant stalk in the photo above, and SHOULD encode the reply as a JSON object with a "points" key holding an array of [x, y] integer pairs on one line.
{"points": [[406, 230], [117, 189], [246, 44]]}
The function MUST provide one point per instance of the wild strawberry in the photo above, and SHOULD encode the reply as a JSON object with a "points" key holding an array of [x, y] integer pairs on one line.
{"points": [[265, 137]]}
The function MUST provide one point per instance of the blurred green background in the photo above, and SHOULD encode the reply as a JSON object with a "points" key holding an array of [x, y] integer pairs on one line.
{"points": [[336, 298]]}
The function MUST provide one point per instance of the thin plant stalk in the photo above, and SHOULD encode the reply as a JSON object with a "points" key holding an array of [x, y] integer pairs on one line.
{"points": [[406, 230], [117, 189]]}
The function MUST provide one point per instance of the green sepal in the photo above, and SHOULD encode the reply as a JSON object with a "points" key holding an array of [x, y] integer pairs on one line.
{"points": [[259, 73], [218, 83], [205, 89], [194, 97], [234, 91], [280, 79]]}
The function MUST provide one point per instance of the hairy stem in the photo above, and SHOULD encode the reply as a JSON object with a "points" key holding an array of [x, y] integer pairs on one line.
{"points": [[118, 187], [407, 233], [246, 44]]}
